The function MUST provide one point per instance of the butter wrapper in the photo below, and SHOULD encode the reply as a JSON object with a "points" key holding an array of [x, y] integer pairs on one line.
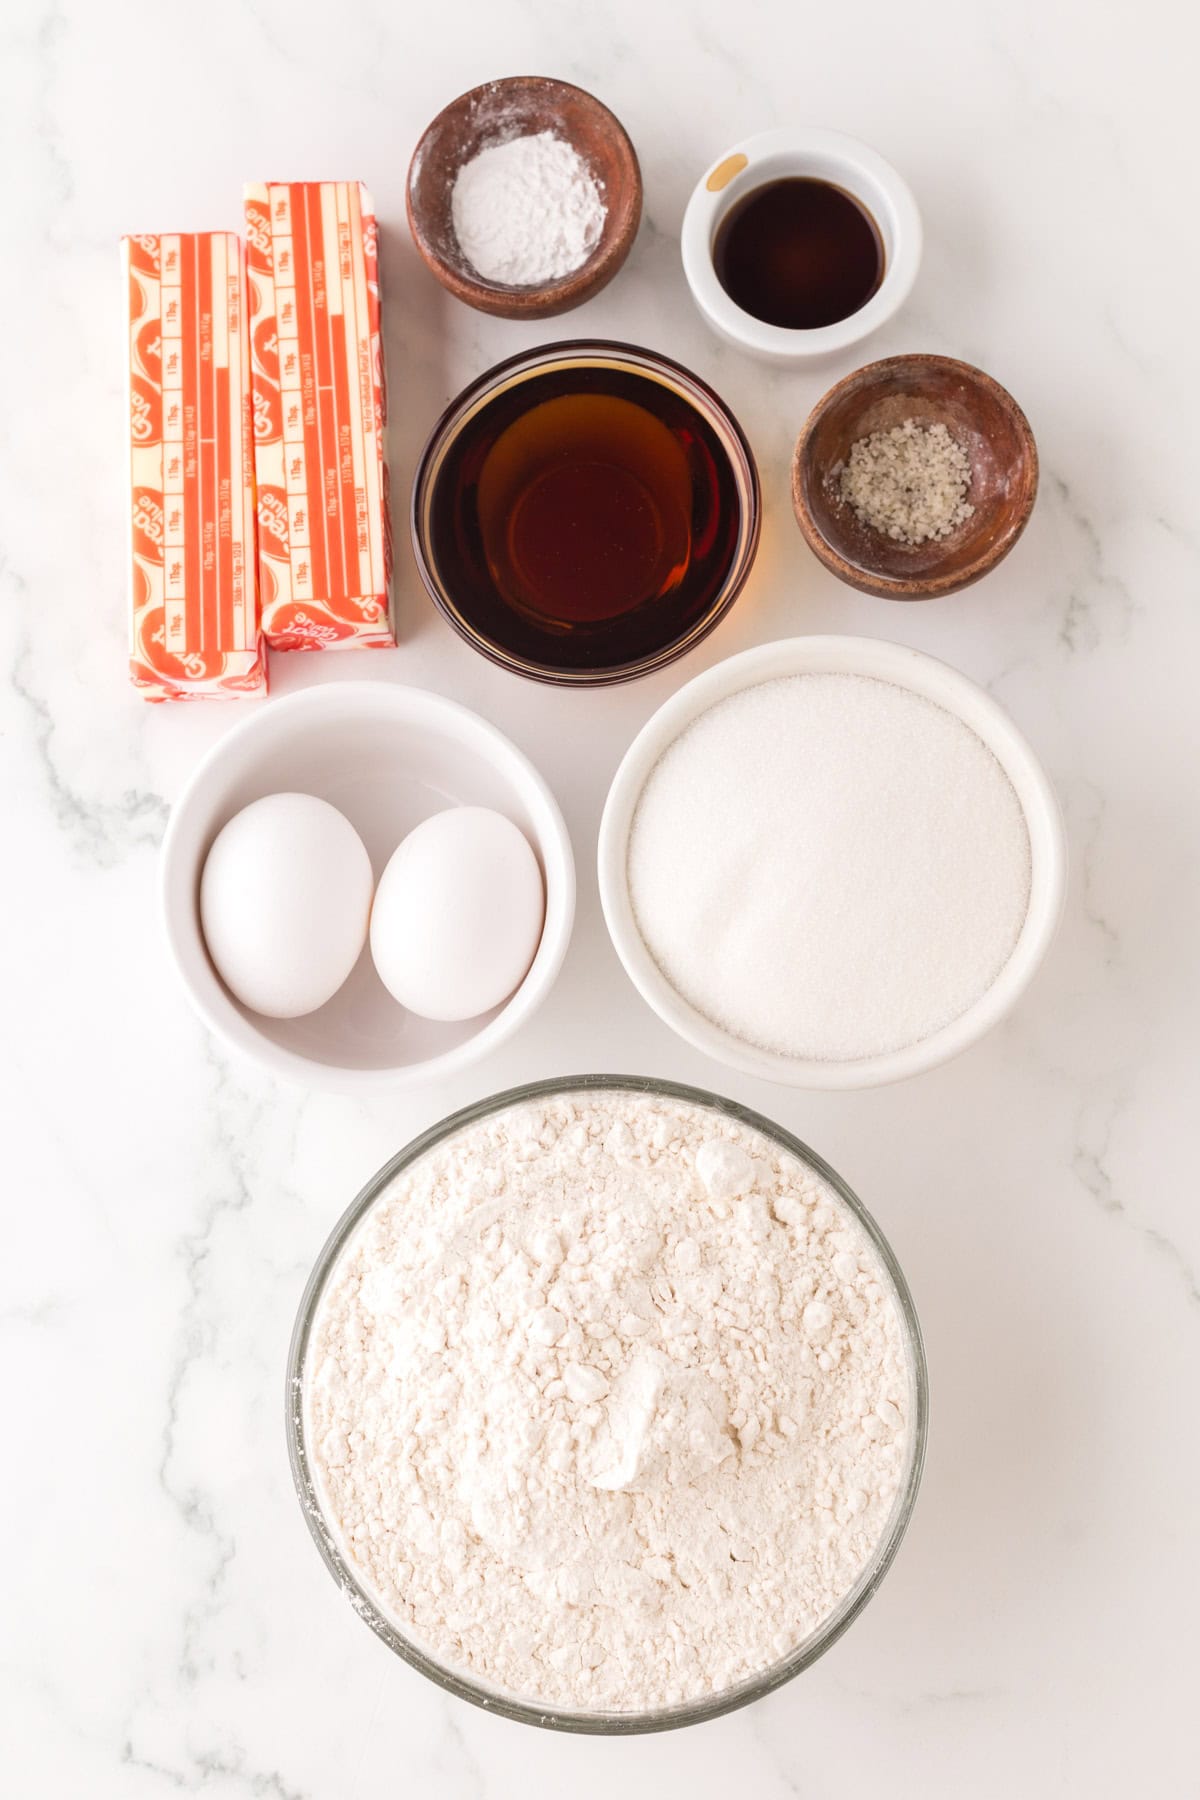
{"points": [[194, 612], [319, 415]]}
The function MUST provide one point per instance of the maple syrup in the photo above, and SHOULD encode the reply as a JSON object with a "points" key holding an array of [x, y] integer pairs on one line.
{"points": [[799, 253], [584, 519]]}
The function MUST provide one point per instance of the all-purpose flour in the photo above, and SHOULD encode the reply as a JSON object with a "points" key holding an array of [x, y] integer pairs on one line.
{"points": [[606, 1401]]}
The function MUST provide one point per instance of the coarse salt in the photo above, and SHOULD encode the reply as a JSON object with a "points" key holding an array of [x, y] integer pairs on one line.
{"points": [[909, 483]]}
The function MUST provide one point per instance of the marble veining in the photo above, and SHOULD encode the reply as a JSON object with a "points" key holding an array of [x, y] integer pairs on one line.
{"points": [[167, 1627]]}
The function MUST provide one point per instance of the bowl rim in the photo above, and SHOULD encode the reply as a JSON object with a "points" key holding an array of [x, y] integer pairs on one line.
{"points": [[909, 587], [499, 1701], [565, 291], [566, 350], [180, 921], [778, 343], [919, 673]]}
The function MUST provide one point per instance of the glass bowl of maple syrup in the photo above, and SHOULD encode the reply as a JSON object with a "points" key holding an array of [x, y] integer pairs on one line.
{"points": [[585, 512]]}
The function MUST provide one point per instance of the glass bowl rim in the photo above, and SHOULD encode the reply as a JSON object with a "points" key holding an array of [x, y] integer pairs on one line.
{"points": [[495, 1700], [705, 399]]}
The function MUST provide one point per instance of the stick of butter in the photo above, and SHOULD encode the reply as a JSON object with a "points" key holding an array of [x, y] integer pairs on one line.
{"points": [[318, 402], [194, 579]]}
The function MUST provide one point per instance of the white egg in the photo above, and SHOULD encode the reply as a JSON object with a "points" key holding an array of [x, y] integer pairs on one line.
{"points": [[285, 901], [458, 914]]}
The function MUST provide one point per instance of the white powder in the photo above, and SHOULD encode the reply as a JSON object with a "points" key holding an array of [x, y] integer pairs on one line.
{"points": [[829, 866], [527, 211], [607, 1401]]}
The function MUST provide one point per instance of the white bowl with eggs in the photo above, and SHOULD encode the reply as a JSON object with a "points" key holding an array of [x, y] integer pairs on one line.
{"points": [[388, 759], [896, 666]]}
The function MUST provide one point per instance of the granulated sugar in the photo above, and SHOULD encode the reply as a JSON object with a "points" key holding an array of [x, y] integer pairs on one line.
{"points": [[829, 866], [608, 1401]]}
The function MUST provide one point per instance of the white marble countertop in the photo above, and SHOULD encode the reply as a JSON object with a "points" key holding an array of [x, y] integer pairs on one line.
{"points": [[166, 1625]]}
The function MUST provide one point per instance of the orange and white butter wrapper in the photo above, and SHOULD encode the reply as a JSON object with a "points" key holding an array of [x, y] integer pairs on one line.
{"points": [[193, 567], [319, 416]]}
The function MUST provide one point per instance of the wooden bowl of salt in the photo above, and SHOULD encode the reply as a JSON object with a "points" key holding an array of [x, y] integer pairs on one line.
{"points": [[986, 425], [498, 113]]}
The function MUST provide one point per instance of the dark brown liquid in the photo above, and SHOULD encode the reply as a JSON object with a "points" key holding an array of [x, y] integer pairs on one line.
{"points": [[585, 519], [798, 253]]}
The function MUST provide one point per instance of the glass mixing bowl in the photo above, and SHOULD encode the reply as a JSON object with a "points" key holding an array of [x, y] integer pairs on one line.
{"points": [[513, 1706]]}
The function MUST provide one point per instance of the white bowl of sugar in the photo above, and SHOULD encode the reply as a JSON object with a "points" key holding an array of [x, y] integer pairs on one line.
{"points": [[831, 862]]}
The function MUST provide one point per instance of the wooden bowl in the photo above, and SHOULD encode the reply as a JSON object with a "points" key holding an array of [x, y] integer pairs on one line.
{"points": [[490, 114], [989, 425]]}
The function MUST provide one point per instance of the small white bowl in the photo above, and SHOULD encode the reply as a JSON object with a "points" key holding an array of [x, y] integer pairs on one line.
{"points": [[823, 156], [922, 675], [388, 757]]}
